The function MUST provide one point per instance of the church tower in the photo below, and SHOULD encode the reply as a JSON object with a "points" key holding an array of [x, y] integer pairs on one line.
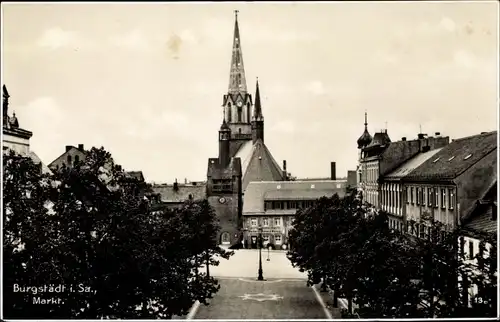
{"points": [[237, 102], [258, 118], [224, 136]]}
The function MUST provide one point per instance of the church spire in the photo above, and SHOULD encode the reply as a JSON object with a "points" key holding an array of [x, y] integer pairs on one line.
{"points": [[237, 80], [257, 111]]}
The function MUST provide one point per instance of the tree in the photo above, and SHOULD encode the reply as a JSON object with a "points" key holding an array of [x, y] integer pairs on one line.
{"points": [[439, 267], [98, 238]]}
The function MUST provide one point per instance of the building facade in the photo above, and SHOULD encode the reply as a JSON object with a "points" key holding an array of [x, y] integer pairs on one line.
{"points": [[381, 156], [393, 193], [14, 137], [273, 205], [243, 155], [447, 186]]}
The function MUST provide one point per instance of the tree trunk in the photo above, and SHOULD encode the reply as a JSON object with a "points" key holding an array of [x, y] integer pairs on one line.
{"points": [[335, 299], [323, 285], [349, 305], [208, 264]]}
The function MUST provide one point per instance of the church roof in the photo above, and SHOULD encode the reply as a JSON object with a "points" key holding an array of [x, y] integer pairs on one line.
{"points": [[257, 163]]}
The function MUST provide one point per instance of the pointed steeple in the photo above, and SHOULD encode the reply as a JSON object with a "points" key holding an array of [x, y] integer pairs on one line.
{"points": [[257, 109], [365, 138], [237, 80]]}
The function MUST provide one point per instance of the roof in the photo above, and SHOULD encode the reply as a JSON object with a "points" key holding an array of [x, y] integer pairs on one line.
{"points": [[135, 174], [480, 219], [411, 164], [169, 195], [379, 139], [455, 158], [218, 172], [258, 164], [257, 192], [37, 160]]}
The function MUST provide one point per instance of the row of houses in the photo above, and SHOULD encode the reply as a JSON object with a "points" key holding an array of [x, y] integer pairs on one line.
{"points": [[452, 182]]}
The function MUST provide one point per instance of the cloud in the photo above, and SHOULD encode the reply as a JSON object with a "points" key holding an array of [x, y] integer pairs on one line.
{"points": [[56, 38], [133, 40], [316, 87]]}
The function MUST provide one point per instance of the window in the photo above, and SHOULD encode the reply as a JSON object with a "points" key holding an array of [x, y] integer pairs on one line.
{"points": [[225, 238], [436, 200], [229, 114], [411, 195], [436, 160], [451, 199], [266, 239], [277, 222], [407, 195], [443, 198], [453, 157], [69, 159], [278, 187], [265, 221], [429, 197], [312, 186], [239, 130], [268, 205], [277, 239], [239, 114], [418, 196], [254, 221], [471, 249], [467, 156], [77, 159], [293, 205]]}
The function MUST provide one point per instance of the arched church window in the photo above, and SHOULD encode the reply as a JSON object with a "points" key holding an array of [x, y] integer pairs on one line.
{"points": [[69, 159], [225, 238], [229, 114], [248, 112], [239, 114], [239, 130]]}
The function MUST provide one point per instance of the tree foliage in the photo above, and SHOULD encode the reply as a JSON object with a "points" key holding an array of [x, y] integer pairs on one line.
{"points": [[88, 229], [387, 273]]}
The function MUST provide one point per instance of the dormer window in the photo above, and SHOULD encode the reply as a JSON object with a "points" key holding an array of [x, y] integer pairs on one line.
{"points": [[453, 157], [312, 186], [467, 156], [436, 160]]}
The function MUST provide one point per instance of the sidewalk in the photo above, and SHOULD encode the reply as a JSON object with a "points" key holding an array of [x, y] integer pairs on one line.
{"points": [[327, 298]]}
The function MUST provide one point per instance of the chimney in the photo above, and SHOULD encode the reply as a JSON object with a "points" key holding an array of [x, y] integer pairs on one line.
{"points": [[185, 180], [80, 147], [403, 138], [438, 134], [333, 171], [68, 147], [176, 185], [284, 171], [421, 136]]}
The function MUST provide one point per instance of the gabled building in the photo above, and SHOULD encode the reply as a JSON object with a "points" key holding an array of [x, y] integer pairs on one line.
{"points": [[382, 156], [272, 205], [16, 138], [392, 199], [243, 155], [448, 185]]}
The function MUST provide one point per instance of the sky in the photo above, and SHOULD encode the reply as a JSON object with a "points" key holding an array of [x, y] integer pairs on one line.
{"points": [[146, 80]]}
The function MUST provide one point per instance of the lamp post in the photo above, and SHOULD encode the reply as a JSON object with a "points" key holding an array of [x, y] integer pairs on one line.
{"points": [[260, 277], [268, 250]]}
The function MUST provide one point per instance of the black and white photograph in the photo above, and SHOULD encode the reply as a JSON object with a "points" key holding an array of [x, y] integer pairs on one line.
{"points": [[312, 160]]}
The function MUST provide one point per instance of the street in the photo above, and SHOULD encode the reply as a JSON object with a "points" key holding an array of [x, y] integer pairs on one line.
{"points": [[283, 295]]}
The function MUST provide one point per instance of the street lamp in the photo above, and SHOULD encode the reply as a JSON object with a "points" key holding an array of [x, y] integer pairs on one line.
{"points": [[260, 277]]}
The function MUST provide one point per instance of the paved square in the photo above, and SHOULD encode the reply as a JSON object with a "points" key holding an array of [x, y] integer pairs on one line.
{"points": [[250, 299], [284, 294], [245, 263]]}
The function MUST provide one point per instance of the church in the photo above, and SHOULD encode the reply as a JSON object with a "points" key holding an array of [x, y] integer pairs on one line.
{"points": [[243, 155]]}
